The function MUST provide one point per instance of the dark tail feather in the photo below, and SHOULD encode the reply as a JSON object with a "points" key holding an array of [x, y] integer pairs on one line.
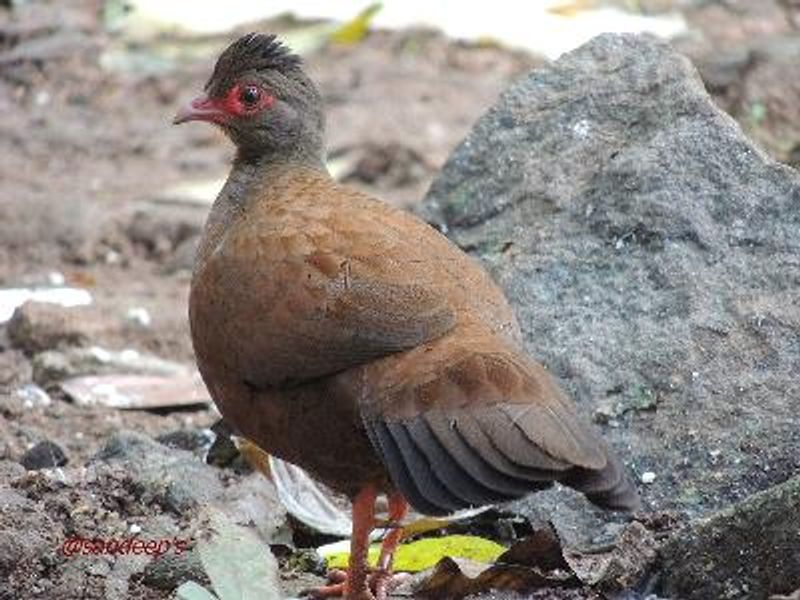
{"points": [[608, 488]]}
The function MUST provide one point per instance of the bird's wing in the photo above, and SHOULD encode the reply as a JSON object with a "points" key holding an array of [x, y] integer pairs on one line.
{"points": [[465, 422], [301, 303]]}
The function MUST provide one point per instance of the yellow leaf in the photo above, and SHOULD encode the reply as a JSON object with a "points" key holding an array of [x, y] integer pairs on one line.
{"points": [[425, 553], [354, 31]]}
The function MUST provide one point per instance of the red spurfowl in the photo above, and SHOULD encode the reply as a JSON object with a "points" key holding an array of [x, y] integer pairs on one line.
{"points": [[354, 340]]}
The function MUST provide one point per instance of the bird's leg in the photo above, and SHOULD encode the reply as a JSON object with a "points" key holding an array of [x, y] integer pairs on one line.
{"points": [[363, 523], [355, 585], [398, 508], [382, 580]]}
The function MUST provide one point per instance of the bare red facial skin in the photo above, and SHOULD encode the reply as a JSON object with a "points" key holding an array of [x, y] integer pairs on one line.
{"points": [[246, 99], [242, 100]]}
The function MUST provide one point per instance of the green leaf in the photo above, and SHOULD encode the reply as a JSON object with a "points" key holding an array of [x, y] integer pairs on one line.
{"points": [[193, 591], [239, 565], [425, 553]]}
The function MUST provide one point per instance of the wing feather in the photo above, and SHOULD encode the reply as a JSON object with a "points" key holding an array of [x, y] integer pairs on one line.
{"points": [[502, 432]]}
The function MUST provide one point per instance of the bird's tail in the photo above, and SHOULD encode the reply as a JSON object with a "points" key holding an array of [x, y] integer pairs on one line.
{"points": [[477, 422]]}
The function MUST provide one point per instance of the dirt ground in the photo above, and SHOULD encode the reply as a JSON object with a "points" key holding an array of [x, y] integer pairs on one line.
{"points": [[86, 154]]}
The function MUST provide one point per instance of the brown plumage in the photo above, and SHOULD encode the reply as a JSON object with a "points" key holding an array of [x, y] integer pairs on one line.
{"points": [[356, 341]]}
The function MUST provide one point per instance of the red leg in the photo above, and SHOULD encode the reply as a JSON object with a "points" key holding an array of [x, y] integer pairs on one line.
{"points": [[398, 508], [363, 524], [355, 587], [382, 580]]}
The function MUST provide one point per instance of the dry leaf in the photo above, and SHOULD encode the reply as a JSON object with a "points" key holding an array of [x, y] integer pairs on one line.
{"points": [[452, 579], [541, 549], [533, 563]]}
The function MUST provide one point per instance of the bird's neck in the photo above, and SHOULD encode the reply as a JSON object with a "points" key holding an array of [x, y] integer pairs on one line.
{"points": [[263, 160], [248, 181], [251, 168]]}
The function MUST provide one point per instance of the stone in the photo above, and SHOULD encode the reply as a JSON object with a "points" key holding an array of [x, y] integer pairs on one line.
{"points": [[182, 259], [750, 550], [33, 396], [129, 392], [170, 570], [10, 470], [44, 455], [624, 567], [652, 255], [175, 479], [38, 326], [53, 366], [196, 441], [223, 451], [15, 370], [159, 229], [253, 501]]}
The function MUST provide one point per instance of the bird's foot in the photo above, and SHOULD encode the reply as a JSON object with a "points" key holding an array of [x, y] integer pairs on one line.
{"points": [[383, 582], [380, 582]]}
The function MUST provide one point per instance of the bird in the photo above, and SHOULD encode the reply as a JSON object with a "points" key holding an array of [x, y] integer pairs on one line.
{"points": [[355, 340]]}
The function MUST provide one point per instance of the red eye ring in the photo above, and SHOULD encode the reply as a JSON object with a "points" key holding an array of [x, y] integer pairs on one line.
{"points": [[246, 100]]}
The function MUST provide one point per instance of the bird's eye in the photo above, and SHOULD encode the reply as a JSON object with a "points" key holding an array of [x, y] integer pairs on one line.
{"points": [[250, 95]]}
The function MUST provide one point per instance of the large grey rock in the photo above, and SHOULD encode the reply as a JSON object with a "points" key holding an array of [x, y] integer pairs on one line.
{"points": [[652, 254], [176, 479], [181, 482], [751, 550]]}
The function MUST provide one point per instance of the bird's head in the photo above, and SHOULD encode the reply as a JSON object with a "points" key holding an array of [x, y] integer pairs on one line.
{"points": [[260, 96]]}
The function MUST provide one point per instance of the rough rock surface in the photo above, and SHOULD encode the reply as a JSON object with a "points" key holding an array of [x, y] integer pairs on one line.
{"points": [[653, 257], [751, 550], [38, 326], [174, 478]]}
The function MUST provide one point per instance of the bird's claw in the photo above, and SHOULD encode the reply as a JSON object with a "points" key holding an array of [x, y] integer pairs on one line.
{"points": [[380, 581]]}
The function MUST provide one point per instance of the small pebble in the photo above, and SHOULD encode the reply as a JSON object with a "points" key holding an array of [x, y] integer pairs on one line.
{"points": [[41, 98], [101, 354], [648, 477], [140, 316], [33, 396], [43, 455]]}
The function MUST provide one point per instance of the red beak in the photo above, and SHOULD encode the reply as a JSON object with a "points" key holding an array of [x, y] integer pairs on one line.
{"points": [[201, 108]]}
